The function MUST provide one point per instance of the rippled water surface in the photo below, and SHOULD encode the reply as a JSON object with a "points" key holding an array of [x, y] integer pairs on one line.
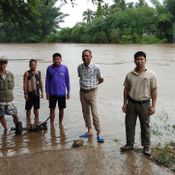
{"points": [[116, 61]]}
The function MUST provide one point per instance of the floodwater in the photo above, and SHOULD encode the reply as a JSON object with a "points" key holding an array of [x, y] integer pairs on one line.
{"points": [[116, 61]]}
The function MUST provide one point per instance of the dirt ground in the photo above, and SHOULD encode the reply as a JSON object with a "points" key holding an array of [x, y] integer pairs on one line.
{"points": [[100, 159]]}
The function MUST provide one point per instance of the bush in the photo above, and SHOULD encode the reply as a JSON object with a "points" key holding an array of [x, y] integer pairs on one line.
{"points": [[150, 39], [52, 38], [86, 38], [114, 36], [100, 37], [127, 39]]}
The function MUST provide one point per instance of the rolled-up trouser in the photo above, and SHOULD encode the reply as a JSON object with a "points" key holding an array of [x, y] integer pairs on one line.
{"points": [[89, 106], [135, 110]]}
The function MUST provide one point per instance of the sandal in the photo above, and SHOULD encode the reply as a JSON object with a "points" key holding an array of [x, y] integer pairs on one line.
{"points": [[100, 138]]}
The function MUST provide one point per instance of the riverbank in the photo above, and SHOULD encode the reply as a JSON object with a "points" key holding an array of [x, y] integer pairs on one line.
{"points": [[100, 159]]}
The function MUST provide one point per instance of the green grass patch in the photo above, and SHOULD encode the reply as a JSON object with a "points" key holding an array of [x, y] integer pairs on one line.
{"points": [[165, 155]]}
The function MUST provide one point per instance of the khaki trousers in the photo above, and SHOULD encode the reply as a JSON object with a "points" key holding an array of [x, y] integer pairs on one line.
{"points": [[89, 106]]}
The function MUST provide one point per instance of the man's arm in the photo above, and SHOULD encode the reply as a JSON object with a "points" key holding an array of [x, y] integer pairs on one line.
{"points": [[67, 78], [125, 99], [101, 80], [100, 75], [78, 71], [154, 100], [47, 82], [25, 79], [41, 88]]}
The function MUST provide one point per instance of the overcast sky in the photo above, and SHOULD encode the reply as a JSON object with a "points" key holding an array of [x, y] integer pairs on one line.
{"points": [[75, 13]]}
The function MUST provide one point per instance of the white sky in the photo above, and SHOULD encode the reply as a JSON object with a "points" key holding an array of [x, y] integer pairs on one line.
{"points": [[75, 13]]}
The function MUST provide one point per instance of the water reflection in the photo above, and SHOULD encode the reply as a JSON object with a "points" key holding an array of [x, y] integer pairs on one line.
{"points": [[11, 144], [57, 136], [62, 134], [137, 165], [4, 142], [53, 135], [130, 162], [32, 141], [17, 145]]}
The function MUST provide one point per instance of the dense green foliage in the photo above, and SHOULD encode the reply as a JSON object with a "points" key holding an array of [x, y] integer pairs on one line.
{"points": [[38, 21], [34, 21], [125, 23]]}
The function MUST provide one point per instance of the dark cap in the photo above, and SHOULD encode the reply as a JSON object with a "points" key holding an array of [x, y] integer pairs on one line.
{"points": [[3, 60]]}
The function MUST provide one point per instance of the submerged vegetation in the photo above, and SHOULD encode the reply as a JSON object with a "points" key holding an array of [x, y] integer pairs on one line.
{"points": [[163, 152], [121, 22], [165, 155], [163, 149], [163, 129]]}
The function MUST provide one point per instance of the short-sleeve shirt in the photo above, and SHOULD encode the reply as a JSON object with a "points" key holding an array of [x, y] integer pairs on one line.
{"points": [[89, 75], [140, 85]]}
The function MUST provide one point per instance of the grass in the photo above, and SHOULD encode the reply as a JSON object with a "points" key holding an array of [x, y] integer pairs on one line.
{"points": [[165, 155]]}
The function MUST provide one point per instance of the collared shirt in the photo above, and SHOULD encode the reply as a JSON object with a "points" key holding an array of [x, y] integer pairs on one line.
{"points": [[89, 75], [57, 80], [140, 85]]}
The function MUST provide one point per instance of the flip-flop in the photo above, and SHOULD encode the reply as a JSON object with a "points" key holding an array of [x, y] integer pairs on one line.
{"points": [[100, 138], [86, 135]]}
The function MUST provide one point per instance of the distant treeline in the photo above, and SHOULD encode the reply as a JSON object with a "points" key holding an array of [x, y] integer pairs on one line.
{"points": [[120, 22]]}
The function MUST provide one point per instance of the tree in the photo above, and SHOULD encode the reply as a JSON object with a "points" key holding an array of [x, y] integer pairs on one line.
{"points": [[106, 9], [118, 5], [44, 20], [18, 9], [88, 15], [49, 18], [169, 7], [141, 3], [99, 12], [164, 13], [77, 31]]}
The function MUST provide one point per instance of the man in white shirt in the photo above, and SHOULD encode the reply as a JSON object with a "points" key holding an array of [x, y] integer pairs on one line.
{"points": [[90, 77]]}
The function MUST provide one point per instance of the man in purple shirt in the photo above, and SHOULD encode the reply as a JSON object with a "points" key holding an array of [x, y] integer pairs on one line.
{"points": [[57, 87]]}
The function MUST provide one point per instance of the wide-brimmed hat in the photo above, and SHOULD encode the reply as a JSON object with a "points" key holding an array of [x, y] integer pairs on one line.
{"points": [[3, 59]]}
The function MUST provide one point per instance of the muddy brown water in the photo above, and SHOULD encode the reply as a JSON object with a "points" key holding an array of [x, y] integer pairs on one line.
{"points": [[116, 61]]}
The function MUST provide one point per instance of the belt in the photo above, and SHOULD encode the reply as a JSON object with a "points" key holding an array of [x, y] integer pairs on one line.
{"points": [[138, 102], [88, 90]]}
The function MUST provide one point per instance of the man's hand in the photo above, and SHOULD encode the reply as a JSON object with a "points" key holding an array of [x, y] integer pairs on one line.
{"points": [[151, 110], [124, 107], [68, 96], [47, 97], [26, 97]]}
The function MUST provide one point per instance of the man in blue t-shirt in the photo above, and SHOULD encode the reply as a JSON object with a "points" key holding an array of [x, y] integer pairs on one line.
{"points": [[57, 87]]}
